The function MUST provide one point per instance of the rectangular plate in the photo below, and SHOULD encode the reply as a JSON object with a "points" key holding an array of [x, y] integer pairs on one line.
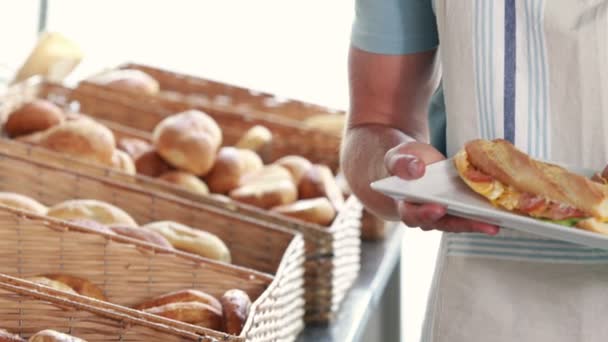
{"points": [[441, 184]]}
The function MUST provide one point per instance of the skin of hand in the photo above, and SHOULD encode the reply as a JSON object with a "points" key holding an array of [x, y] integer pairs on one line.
{"points": [[387, 134]]}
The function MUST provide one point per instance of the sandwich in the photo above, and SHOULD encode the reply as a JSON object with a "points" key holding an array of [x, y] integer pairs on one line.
{"points": [[513, 181]]}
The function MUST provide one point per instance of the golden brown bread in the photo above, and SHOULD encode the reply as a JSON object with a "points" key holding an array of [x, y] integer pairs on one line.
{"points": [[186, 181], [82, 286], [235, 305], [190, 312], [57, 285], [181, 296], [133, 147], [84, 139], [332, 124], [255, 139], [315, 210], [21, 202], [266, 194], [35, 116], [296, 165], [6, 336], [230, 166], [94, 210], [128, 80], [141, 234], [53, 336], [268, 173], [188, 141], [191, 240], [123, 162], [319, 181], [150, 164], [502, 161]]}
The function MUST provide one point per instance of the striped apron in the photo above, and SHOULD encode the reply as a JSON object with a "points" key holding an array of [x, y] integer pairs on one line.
{"points": [[536, 73]]}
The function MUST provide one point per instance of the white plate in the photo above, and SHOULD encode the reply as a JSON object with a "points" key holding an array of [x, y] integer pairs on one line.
{"points": [[441, 184]]}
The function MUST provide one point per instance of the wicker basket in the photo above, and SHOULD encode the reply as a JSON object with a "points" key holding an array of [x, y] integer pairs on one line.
{"points": [[26, 308], [127, 270], [332, 253]]}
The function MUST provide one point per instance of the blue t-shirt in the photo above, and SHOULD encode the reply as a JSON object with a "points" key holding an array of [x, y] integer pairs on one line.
{"points": [[400, 27]]}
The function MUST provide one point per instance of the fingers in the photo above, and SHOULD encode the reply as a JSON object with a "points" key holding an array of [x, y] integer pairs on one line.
{"points": [[408, 160], [433, 216]]}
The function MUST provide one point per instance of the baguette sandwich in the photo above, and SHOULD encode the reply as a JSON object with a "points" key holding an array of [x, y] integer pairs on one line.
{"points": [[511, 180]]}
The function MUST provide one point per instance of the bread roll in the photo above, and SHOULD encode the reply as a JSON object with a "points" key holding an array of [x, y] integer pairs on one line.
{"points": [[133, 147], [230, 166], [53, 336], [84, 139], [296, 165], [93, 225], [82, 286], [268, 173], [123, 162], [128, 80], [6, 336], [189, 141], [35, 116], [319, 181], [143, 235], [54, 284], [190, 312], [255, 139], [186, 181], [191, 240], [235, 305], [316, 210], [21, 202], [332, 124], [89, 209], [266, 194], [150, 164], [182, 296]]}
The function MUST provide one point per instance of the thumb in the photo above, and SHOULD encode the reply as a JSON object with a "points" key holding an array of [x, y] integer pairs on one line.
{"points": [[409, 160]]}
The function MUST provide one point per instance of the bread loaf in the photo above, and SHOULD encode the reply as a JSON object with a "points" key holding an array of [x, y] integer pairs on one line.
{"points": [[6, 336], [123, 162], [316, 210], [230, 166], [191, 240], [235, 309], [181, 296], [84, 139], [53, 336], [190, 312], [188, 141], [142, 234], [21, 202], [319, 181], [151, 164], [35, 116], [128, 80], [296, 165], [133, 147], [255, 139], [82, 286], [186, 181], [89, 209]]}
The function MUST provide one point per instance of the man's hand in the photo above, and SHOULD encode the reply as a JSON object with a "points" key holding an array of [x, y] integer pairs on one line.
{"points": [[408, 161]]}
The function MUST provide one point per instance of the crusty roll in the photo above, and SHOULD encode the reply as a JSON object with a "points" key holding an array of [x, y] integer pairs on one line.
{"points": [[268, 173], [266, 194], [21, 202], [128, 80], [123, 162], [319, 181], [231, 164], [190, 312], [189, 141], [186, 181], [53, 336], [236, 305], [6, 336], [35, 116], [133, 147], [296, 165], [315, 210], [142, 234], [93, 225], [255, 139], [89, 209], [82, 286], [150, 164], [54, 284], [191, 240], [84, 139], [181, 296]]}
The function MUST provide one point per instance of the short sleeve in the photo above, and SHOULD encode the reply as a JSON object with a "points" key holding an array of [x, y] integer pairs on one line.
{"points": [[394, 27]]}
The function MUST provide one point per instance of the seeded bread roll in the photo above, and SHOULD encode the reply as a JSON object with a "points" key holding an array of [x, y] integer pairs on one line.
{"points": [[188, 141], [35, 116], [94, 210], [186, 181], [128, 80], [21, 202], [230, 166], [151, 164], [316, 210]]}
